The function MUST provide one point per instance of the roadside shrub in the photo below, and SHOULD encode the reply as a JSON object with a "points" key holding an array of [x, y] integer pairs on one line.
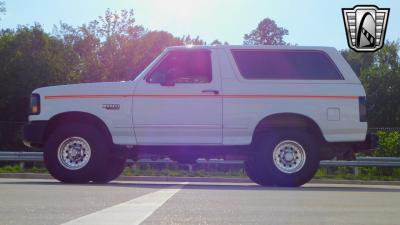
{"points": [[389, 144]]}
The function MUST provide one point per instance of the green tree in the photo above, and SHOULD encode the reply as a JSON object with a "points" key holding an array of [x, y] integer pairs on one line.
{"points": [[216, 42], [119, 31], [266, 33], [101, 45], [29, 58], [382, 84], [149, 47], [358, 60], [188, 40], [111, 48], [114, 48], [2, 8], [86, 43]]}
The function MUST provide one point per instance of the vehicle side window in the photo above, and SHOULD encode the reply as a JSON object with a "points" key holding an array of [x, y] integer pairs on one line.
{"points": [[286, 65], [186, 66]]}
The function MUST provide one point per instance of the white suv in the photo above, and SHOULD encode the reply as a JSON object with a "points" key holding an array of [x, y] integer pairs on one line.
{"points": [[282, 109]]}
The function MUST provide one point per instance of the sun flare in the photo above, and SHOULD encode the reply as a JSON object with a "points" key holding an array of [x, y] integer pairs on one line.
{"points": [[181, 10]]}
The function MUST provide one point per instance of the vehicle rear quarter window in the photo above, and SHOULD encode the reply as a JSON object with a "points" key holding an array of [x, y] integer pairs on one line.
{"points": [[286, 65]]}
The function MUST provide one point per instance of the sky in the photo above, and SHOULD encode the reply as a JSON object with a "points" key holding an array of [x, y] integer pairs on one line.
{"points": [[310, 23]]}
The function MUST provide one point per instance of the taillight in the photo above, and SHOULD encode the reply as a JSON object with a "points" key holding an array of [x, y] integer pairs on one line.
{"points": [[34, 108], [362, 106]]}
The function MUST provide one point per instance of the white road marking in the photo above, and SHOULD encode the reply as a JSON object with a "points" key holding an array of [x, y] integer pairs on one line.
{"points": [[131, 212]]}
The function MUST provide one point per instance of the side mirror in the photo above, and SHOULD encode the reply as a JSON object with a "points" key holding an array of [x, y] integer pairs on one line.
{"points": [[169, 79], [167, 83]]}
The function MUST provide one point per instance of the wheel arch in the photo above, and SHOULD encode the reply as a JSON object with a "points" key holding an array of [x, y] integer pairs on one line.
{"points": [[76, 116], [288, 120]]}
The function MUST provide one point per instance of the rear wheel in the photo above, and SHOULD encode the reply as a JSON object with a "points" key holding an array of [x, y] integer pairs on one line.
{"points": [[285, 157], [73, 153]]}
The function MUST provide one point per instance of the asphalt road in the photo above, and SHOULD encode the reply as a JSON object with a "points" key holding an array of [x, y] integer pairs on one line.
{"points": [[28, 201]]}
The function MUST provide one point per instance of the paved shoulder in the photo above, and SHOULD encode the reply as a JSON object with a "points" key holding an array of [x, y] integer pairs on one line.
{"points": [[311, 204], [50, 202], [131, 212]]}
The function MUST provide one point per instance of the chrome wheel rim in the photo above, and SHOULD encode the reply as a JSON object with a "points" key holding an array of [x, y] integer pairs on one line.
{"points": [[289, 156], [74, 153]]}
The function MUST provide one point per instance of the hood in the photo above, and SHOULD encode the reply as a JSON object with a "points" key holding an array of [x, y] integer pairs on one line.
{"points": [[101, 88]]}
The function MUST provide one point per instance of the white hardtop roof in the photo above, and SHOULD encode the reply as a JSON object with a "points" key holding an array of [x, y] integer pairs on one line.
{"points": [[286, 47]]}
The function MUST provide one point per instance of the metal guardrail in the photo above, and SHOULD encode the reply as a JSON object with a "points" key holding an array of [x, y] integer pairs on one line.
{"points": [[365, 161], [21, 156], [360, 161]]}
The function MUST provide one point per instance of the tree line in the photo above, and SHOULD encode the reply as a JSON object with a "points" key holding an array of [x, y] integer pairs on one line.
{"points": [[114, 48]]}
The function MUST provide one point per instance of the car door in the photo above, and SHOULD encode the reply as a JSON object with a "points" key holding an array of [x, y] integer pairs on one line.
{"points": [[178, 101]]}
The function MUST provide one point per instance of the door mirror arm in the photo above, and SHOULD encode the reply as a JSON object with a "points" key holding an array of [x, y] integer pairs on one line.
{"points": [[169, 79], [167, 83]]}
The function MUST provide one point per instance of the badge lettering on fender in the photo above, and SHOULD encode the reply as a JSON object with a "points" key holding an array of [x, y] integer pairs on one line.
{"points": [[111, 106]]}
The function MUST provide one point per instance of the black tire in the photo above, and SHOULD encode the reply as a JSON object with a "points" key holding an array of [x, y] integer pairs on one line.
{"points": [[268, 172], [111, 171], [98, 152], [254, 172]]}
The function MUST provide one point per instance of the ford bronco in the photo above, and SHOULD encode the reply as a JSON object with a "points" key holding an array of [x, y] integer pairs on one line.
{"points": [[281, 109]]}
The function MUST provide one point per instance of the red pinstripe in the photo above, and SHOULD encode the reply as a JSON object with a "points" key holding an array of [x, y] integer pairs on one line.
{"points": [[194, 95]]}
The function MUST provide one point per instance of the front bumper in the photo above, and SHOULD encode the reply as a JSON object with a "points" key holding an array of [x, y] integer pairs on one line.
{"points": [[33, 133]]}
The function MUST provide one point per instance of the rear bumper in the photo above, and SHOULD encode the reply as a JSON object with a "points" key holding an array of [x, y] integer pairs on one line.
{"points": [[33, 133], [347, 150], [371, 143]]}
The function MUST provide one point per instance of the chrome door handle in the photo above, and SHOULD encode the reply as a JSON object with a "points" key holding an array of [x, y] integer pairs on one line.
{"points": [[210, 91]]}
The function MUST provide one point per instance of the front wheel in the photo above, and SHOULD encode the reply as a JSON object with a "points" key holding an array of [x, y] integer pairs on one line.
{"points": [[73, 153], [114, 168], [284, 157]]}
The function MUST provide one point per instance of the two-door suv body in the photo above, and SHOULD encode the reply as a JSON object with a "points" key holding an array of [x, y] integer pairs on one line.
{"points": [[281, 109]]}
